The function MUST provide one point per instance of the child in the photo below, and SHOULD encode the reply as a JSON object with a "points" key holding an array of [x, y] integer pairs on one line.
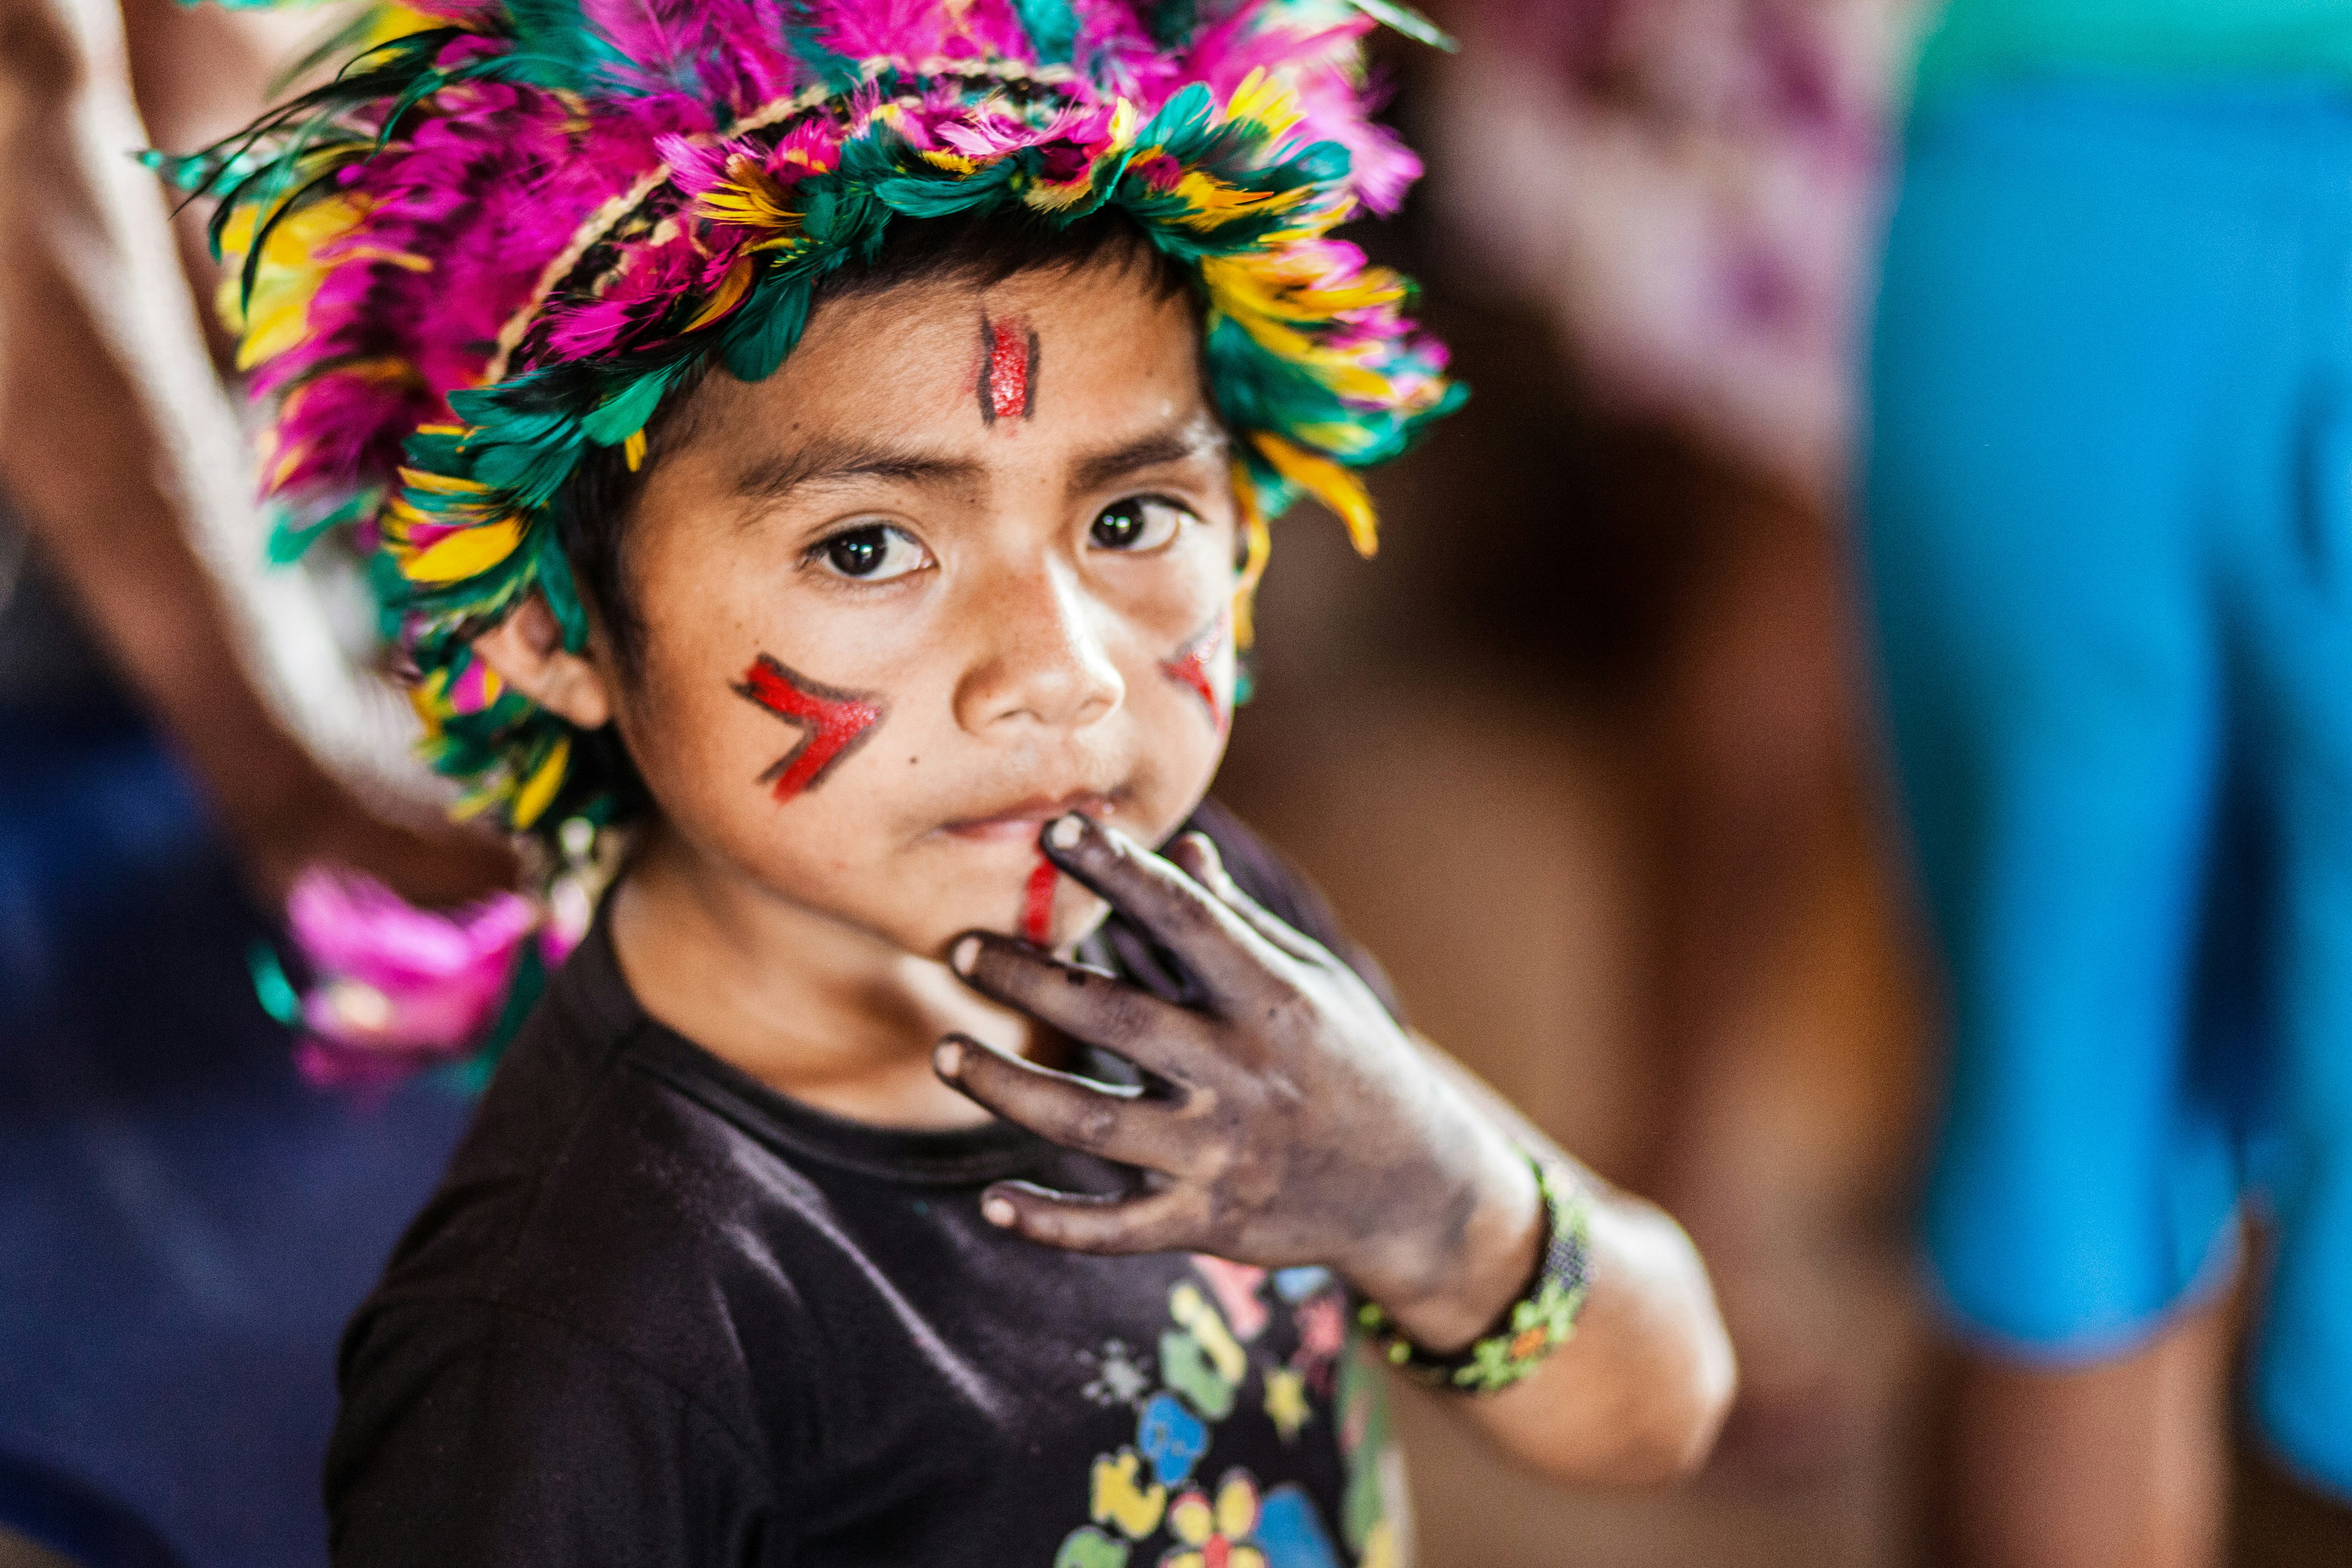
{"points": [[837, 438]]}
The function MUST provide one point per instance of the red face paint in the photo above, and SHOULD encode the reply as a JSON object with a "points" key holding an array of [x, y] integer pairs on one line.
{"points": [[1008, 371], [1037, 905], [831, 723], [1193, 665]]}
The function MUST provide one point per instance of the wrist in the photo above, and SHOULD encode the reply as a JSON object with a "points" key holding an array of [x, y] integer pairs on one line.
{"points": [[1445, 1291], [1538, 1320]]}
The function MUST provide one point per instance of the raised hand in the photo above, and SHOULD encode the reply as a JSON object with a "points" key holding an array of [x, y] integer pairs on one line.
{"points": [[1287, 1120]]}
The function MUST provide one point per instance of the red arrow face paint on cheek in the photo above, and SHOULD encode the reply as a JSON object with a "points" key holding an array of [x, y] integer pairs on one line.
{"points": [[1008, 371], [1194, 666], [1037, 905], [833, 723]]}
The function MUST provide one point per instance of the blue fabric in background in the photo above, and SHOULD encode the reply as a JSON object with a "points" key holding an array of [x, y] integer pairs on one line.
{"points": [[183, 1224], [2109, 534]]}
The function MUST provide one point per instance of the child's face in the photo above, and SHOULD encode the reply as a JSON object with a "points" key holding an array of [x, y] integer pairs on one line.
{"points": [[964, 563]]}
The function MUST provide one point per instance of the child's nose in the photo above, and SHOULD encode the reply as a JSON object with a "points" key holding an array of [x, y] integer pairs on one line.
{"points": [[1039, 657]]}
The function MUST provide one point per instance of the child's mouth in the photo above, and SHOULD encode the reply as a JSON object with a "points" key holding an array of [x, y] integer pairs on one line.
{"points": [[1020, 822]]}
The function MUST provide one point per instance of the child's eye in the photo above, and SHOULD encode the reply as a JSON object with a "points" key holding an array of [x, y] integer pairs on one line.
{"points": [[874, 553], [1137, 524]]}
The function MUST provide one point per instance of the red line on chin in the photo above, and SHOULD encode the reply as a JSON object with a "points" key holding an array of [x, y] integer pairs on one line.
{"points": [[1037, 906]]}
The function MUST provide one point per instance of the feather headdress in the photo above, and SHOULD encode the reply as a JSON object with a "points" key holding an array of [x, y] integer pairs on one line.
{"points": [[509, 228]]}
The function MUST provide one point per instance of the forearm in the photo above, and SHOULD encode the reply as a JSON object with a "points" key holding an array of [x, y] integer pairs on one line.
{"points": [[1636, 1396], [118, 445], [84, 453], [86, 478]]}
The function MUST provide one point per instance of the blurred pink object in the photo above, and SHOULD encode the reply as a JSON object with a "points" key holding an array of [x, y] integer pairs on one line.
{"points": [[397, 988], [1689, 189]]}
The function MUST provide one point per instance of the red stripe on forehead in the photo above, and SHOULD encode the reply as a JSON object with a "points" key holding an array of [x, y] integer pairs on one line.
{"points": [[1008, 371]]}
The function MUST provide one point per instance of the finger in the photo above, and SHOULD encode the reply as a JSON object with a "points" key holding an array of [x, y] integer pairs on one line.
{"points": [[1085, 1004], [1214, 942], [1117, 1123], [1196, 854], [1077, 1222]]}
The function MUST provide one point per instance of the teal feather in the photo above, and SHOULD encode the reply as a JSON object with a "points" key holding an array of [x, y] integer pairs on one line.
{"points": [[562, 50], [270, 987], [560, 590], [624, 414], [1052, 27], [838, 72], [771, 326], [289, 540]]}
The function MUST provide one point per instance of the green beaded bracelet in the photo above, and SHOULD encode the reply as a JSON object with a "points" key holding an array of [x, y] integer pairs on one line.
{"points": [[1530, 1329]]}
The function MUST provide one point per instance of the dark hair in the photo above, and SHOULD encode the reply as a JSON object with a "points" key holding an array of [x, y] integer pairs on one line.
{"points": [[591, 521]]}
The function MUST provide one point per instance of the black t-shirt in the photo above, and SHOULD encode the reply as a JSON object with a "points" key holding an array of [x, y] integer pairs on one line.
{"points": [[658, 1313]]}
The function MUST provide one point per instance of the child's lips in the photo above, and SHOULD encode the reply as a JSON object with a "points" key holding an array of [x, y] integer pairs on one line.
{"points": [[1020, 822]]}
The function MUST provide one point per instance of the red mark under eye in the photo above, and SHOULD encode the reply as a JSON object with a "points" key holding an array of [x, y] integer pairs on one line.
{"points": [[1008, 371], [1037, 905], [833, 723], [1191, 665]]}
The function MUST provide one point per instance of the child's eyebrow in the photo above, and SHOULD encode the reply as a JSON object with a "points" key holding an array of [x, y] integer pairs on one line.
{"points": [[1179, 443], [829, 462]]}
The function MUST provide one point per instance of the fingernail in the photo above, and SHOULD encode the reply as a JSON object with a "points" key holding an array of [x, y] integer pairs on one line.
{"points": [[964, 955], [946, 1059], [1064, 832], [996, 1211]]}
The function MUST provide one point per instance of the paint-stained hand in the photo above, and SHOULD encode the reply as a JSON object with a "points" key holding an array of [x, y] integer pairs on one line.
{"points": [[1287, 1120]]}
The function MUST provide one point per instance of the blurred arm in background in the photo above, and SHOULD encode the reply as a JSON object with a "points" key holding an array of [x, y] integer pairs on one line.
{"points": [[118, 447]]}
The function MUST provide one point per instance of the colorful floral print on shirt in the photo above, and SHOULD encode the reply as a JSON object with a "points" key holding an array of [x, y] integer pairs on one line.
{"points": [[1162, 1500]]}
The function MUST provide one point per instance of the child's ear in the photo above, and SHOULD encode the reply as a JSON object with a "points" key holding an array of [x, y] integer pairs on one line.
{"points": [[527, 651]]}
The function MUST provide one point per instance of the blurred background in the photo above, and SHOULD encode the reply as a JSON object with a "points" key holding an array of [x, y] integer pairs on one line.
{"points": [[1583, 753], [1587, 755]]}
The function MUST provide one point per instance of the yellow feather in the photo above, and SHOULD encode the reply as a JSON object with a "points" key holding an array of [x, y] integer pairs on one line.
{"points": [[388, 22], [441, 484], [277, 315], [1337, 488], [283, 469], [1047, 196], [1216, 202], [426, 701], [1265, 99], [1258, 540], [730, 292], [464, 553], [537, 793], [748, 197]]}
